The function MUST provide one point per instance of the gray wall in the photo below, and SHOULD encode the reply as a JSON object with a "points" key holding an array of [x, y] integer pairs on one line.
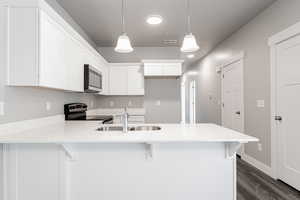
{"points": [[253, 39], [167, 91], [164, 90], [27, 103]]}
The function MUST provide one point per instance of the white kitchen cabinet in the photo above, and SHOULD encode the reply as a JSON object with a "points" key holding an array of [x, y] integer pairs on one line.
{"points": [[43, 50], [126, 79], [135, 80], [118, 80], [34, 172], [162, 68]]}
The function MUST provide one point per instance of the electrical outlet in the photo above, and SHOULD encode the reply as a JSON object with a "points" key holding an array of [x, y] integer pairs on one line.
{"points": [[259, 147], [92, 104], [111, 103], [260, 103], [48, 105], [157, 103], [2, 109]]}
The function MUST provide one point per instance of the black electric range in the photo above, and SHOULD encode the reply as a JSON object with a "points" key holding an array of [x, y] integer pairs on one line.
{"points": [[77, 111]]}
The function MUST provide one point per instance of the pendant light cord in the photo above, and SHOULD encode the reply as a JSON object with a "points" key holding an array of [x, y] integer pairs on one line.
{"points": [[123, 18], [188, 16]]}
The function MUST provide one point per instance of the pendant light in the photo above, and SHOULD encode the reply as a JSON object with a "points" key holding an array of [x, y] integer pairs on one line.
{"points": [[189, 43], [123, 44]]}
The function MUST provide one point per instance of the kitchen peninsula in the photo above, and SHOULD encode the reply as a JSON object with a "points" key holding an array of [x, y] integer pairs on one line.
{"points": [[73, 160]]}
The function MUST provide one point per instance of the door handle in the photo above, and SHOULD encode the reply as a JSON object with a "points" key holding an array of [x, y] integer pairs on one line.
{"points": [[238, 112], [278, 118]]}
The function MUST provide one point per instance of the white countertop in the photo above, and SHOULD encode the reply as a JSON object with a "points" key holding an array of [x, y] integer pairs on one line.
{"points": [[85, 132]]}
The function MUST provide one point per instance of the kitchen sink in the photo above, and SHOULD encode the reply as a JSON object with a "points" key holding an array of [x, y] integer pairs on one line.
{"points": [[132, 128], [145, 128], [110, 128]]}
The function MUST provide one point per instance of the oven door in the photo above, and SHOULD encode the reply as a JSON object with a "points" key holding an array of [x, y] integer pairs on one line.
{"points": [[92, 80]]}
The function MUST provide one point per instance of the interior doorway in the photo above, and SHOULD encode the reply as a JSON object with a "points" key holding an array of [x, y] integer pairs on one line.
{"points": [[286, 108], [233, 95], [192, 102]]}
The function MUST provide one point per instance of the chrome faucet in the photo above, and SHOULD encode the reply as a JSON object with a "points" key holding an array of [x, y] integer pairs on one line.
{"points": [[125, 120]]}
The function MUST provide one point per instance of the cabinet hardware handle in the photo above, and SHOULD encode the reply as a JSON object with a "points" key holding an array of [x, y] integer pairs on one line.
{"points": [[278, 118]]}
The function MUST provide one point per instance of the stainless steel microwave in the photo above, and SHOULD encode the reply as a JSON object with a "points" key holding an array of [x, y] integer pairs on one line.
{"points": [[92, 79]]}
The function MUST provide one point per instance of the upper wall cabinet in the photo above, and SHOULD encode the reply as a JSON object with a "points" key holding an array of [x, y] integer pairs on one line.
{"points": [[43, 50], [126, 79], [154, 68]]}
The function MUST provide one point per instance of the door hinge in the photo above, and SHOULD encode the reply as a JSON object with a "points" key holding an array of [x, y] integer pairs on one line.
{"points": [[223, 76]]}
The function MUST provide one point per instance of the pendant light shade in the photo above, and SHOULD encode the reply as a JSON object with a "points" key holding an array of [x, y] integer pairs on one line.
{"points": [[123, 44], [189, 43]]}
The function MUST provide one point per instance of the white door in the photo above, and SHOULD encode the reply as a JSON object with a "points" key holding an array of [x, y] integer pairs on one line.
{"points": [[232, 96], [288, 108], [192, 102]]}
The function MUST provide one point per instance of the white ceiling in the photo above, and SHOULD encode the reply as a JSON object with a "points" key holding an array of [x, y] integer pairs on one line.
{"points": [[212, 20]]}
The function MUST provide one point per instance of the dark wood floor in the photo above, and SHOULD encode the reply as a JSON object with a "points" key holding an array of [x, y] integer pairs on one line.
{"points": [[253, 184]]}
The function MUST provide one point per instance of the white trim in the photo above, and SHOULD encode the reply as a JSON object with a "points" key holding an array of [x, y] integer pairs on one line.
{"points": [[273, 112], [273, 41], [286, 34], [183, 99], [232, 60], [4, 171], [257, 164]]}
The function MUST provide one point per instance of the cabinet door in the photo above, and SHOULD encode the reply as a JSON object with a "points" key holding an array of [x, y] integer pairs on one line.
{"points": [[105, 80], [153, 69], [135, 80], [118, 80], [74, 54], [52, 71], [172, 69], [34, 171]]}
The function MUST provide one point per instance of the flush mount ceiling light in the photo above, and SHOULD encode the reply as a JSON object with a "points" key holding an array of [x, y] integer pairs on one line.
{"points": [[123, 44], [189, 43], [154, 19], [191, 56]]}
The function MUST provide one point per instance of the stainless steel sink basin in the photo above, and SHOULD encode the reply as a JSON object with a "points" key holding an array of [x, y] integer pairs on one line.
{"points": [[145, 128], [110, 128], [132, 128]]}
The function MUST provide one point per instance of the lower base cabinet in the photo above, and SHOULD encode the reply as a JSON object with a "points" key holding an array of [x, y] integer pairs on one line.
{"points": [[33, 172], [118, 171]]}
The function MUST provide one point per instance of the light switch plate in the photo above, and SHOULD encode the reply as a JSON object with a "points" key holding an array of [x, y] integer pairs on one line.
{"points": [[260, 103], [92, 104], [48, 105], [129, 103], [259, 147], [111, 103], [2, 109], [157, 103]]}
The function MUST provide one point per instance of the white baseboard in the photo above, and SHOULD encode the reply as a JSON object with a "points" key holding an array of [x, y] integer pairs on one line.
{"points": [[257, 164]]}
